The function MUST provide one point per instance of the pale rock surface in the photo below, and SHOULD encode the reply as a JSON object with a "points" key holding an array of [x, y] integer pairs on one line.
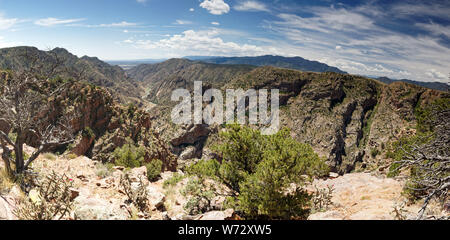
{"points": [[362, 196]]}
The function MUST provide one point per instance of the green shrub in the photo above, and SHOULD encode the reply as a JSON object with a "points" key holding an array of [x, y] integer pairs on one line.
{"points": [[12, 136], [88, 132], [176, 178], [154, 169], [260, 169], [131, 109], [129, 156], [374, 152], [71, 156], [104, 170], [25, 155], [200, 196]]}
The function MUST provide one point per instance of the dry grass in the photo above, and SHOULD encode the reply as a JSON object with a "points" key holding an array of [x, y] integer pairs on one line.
{"points": [[5, 182], [71, 156], [49, 156]]}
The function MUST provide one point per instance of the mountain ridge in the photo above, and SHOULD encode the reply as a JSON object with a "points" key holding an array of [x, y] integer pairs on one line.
{"points": [[297, 63], [93, 69], [431, 85]]}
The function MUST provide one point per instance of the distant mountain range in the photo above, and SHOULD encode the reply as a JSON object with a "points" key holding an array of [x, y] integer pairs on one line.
{"points": [[432, 85], [128, 64], [296, 63]]}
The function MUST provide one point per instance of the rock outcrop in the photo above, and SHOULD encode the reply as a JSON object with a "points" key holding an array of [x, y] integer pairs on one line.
{"points": [[364, 196]]}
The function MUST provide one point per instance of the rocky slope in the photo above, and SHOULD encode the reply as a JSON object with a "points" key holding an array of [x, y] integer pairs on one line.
{"points": [[161, 79], [365, 196], [101, 124], [91, 69], [98, 195], [349, 120]]}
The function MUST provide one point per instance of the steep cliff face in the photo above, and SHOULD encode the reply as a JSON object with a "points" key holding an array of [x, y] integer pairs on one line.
{"points": [[347, 119], [393, 117], [100, 124], [104, 126]]}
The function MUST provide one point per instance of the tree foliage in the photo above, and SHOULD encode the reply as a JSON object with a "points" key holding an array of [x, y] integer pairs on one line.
{"points": [[129, 155], [265, 173]]}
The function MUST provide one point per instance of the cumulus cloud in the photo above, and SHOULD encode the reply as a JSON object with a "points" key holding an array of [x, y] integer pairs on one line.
{"points": [[205, 43], [215, 23], [251, 6], [216, 7], [48, 22], [191, 9]]}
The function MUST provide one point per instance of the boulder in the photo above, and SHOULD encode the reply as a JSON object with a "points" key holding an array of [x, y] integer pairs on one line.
{"points": [[191, 135], [333, 175], [82, 144], [138, 173], [92, 207], [188, 153], [155, 197]]}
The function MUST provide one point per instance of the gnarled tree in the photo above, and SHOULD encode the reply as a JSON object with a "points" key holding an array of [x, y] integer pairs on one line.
{"points": [[26, 112], [428, 154]]}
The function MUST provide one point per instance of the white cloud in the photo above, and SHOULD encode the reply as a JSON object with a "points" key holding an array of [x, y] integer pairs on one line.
{"points": [[434, 74], [216, 7], [363, 47], [191, 9], [119, 24], [252, 6], [215, 23], [403, 9], [7, 23], [106, 25], [435, 29], [205, 43], [183, 22], [48, 22], [327, 20]]}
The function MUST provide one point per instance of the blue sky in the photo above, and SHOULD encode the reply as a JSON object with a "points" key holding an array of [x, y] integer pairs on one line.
{"points": [[399, 39]]}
